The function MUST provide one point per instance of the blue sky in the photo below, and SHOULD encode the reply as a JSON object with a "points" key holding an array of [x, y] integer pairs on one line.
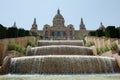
{"points": [[92, 11]]}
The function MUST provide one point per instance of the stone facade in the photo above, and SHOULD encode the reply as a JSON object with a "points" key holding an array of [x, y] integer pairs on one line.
{"points": [[59, 31]]}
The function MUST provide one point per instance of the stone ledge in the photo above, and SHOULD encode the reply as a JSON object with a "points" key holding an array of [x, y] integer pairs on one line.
{"points": [[5, 66]]}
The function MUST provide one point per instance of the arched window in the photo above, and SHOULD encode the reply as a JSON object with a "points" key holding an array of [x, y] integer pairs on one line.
{"points": [[46, 33], [70, 33], [53, 34], [58, 34], [64, 34]]}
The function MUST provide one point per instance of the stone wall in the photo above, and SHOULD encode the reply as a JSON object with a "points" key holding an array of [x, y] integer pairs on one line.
{"points": [[4, 44], [100, 41]]}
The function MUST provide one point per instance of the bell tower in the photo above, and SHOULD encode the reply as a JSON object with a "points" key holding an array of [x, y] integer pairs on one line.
{"points": [[34, 25], [82, 25]]}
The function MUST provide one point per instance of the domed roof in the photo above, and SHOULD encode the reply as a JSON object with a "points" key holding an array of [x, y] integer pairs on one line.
{"points": [[101, 26], [58, 15]]}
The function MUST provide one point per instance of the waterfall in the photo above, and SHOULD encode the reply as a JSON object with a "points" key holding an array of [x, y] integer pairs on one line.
{"points": [[63, 64], [60, 42], [60, 50]]}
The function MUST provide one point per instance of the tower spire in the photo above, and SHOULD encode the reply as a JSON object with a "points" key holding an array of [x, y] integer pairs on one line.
{"points": [[58, 11], [34, 25], [101, 24], [14, 25], [101, 27], [34, 21], [82, 21], [82, 25]]}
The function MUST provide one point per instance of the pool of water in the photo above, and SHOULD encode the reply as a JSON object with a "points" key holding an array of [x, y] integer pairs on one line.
{"points": [[61, 77]]}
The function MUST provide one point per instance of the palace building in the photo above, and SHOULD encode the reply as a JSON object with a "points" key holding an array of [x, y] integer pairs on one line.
{"points": [[59, 31]]}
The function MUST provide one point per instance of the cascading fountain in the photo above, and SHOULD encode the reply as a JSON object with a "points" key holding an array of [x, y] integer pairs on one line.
{"points": [[60, 42], [62, 59], [60, 50], [63, 64]]}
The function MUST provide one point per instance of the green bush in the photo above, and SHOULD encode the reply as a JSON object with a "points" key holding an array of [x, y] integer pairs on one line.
{"points": [[81, 37], [99, 50], [88, 44], [113, 46], [105, 48], [16, 47], [31, 43]]}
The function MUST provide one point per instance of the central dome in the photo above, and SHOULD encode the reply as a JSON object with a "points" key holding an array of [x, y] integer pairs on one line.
{"points": [[58, 15], [58, 20]]}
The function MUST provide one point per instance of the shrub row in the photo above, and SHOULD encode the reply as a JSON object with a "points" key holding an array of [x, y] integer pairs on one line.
{"points": [[110, 32], [12, 32]]}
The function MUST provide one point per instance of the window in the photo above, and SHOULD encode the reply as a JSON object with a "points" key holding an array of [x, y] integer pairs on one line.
{"points": [[58, 34], [64, 34], [70, 33], [46, 33], [53, 34]]}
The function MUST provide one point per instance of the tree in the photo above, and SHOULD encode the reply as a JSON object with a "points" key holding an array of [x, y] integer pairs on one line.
{"points": [[110, 31], [118, 32], [12, 32], [92, 33], [2, 32], [100, 33], [27, 33], [21, 32]]}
